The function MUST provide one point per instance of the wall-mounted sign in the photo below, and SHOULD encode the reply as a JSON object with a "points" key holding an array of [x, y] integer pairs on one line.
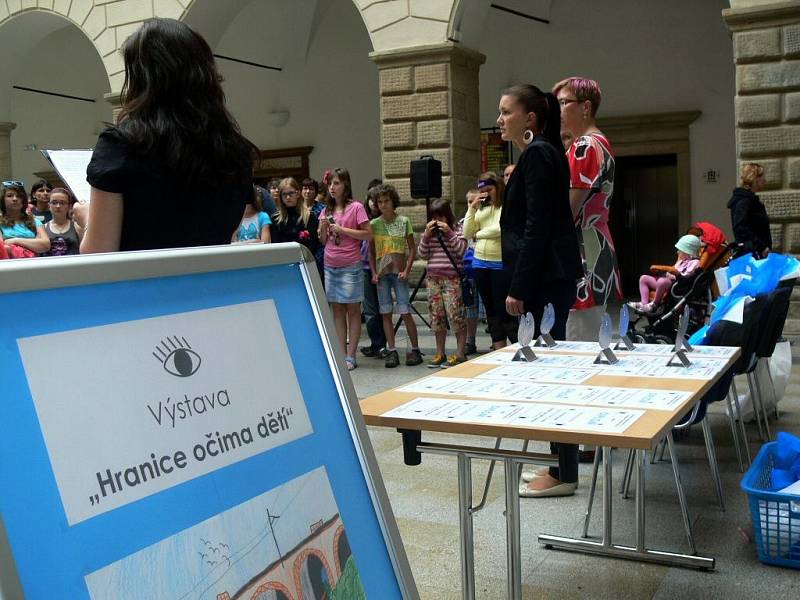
{"points": [[182, 429], [495, 153]]}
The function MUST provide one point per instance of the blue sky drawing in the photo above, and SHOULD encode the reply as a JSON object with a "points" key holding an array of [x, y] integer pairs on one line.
{"points": [[238, 541]]}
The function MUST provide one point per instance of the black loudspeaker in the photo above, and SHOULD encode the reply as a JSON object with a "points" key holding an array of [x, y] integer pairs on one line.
{"points": [[426, 178]]}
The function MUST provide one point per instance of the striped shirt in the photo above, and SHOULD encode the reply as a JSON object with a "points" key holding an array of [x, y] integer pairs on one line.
{"points": [[431, 250]]}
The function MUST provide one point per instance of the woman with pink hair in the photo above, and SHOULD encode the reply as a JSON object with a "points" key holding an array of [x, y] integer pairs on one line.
{"points": [[591, 164]]}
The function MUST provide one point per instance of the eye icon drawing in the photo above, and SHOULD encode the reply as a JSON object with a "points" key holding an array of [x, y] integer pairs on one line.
{"points": [[177, 357]]}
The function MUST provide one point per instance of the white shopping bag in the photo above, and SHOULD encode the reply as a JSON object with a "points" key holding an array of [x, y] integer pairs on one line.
{"points": [[771, 392]]}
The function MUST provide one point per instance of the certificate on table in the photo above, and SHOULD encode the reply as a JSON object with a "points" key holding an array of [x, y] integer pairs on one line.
{"points": [[667, 400], [522, 371], [548, 416]]}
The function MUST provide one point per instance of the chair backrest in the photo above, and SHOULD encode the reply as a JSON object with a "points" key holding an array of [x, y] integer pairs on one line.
{"points": [[772, 324], [744, 334]]}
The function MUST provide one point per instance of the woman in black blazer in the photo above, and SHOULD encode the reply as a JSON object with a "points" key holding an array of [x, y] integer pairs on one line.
{"points": [[540, 248]]}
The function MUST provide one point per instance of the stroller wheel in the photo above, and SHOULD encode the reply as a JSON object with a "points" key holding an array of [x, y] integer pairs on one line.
{"points": [[662, 339]]}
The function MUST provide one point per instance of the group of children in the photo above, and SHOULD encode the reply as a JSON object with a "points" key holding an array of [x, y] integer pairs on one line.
{"points": [[390, 249]]}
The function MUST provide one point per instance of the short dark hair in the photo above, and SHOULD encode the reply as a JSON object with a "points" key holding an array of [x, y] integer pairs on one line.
{"points": [[308, 182], [373, 183], [388, 190]]}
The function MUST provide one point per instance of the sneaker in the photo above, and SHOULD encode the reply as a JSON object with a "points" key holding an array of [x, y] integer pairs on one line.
{"points": [[455, 359], [470, 348], [370, 351], [437, 361], [392, 359], [413, 358]]}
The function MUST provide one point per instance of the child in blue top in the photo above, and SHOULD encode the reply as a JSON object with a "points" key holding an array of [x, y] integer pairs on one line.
{"points": [[254, 227]]}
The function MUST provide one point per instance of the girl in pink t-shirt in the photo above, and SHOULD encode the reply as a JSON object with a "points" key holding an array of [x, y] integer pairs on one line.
{"points": [[343, 224]]}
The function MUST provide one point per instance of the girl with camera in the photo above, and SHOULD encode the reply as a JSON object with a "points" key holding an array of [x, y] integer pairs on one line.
{"points": [[443, 248], [482, 223]]}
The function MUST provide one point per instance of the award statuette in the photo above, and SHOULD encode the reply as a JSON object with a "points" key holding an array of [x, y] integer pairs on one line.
{"points": [[606, 355], [624, 321], [525, 336], [682, 346], [548, 320]]}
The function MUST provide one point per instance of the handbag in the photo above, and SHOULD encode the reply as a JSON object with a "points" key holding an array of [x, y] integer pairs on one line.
{"points": [[467, 285]]}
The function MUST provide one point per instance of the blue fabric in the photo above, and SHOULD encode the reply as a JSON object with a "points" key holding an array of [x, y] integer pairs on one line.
{"points": [[344, 285], [19, 230], [495, 265], [387, 283], [250, 232]]}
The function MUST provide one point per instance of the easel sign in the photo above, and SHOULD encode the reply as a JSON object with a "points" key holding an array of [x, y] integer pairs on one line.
{"points": [[183, 428]]}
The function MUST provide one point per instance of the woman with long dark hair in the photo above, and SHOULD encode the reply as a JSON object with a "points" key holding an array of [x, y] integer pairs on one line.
{"points": [[540, 247], [175, 170], [23, 236]]}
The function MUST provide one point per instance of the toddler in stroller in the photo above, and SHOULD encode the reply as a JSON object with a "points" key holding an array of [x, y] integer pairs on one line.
{"points": [[663, 277]]}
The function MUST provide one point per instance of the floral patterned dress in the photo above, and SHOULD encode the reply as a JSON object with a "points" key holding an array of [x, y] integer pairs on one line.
{"points": [[591, 165]]}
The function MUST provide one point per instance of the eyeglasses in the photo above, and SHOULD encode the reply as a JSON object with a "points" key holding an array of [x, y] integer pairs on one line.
{"points": [[567, 101], [289, 194], [13, 183]]}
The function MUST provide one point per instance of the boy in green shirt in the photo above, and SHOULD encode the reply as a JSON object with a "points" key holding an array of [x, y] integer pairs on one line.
{"points": [[391, 255]]}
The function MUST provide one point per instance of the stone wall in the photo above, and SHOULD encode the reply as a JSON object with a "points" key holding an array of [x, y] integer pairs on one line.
{"points": [[766, 49], [429, 106]]}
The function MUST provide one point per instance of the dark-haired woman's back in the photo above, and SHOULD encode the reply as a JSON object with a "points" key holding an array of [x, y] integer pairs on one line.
{"points": [[176, 170], [162, 208]]}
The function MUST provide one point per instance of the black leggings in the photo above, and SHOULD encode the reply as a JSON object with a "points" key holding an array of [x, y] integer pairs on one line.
{"points": [[493, 285]]}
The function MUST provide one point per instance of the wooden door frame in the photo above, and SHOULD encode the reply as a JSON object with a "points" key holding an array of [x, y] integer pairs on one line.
{"points": [[653, 134]]}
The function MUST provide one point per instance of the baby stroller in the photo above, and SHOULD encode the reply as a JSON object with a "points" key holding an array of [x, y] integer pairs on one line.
{"points": [[694, 293]]}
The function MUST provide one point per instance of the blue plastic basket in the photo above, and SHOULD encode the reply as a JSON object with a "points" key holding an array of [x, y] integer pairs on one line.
{"points": [[776, 516]]}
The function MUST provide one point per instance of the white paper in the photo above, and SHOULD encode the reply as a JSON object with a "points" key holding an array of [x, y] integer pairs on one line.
{"points": [[71, 166], [156, 387], [520, 371], [518, 391], [793, 489], [548, 416]]}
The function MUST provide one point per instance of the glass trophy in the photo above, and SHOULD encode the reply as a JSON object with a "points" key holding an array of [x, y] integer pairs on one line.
{"points": [[682, 346], [548, 320], [525, 337], [624, 322], [606, 354]]}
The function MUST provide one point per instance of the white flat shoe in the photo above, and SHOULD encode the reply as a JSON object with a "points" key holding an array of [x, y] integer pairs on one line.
{"points": [[561, 489], [531, 474]]}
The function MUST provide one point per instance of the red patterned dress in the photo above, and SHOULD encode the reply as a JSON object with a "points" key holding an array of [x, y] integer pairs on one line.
{"points": [[591, 166]]}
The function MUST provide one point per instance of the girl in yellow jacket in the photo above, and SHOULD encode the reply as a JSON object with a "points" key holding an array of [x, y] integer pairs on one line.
{"points": [[482, 224]]}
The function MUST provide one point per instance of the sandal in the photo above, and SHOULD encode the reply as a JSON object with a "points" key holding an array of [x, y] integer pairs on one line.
{"points": [[351, 363]]}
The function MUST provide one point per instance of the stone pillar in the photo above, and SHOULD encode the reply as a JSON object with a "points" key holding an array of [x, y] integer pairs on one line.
{"points": [[766, 50], [115, 100], [429, 105], [6, 171]]}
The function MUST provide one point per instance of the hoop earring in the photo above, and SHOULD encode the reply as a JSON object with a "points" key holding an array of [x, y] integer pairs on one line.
{"points": [[527, 137]]}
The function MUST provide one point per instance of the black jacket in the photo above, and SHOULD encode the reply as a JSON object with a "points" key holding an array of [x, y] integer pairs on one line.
{"points": [[750, 222], [538, 233]]}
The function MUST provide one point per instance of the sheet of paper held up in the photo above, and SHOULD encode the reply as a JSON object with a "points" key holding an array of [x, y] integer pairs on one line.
{"points": [[547, 416], [640, 366], [593, 348], [71, 166], [518, 391]]}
